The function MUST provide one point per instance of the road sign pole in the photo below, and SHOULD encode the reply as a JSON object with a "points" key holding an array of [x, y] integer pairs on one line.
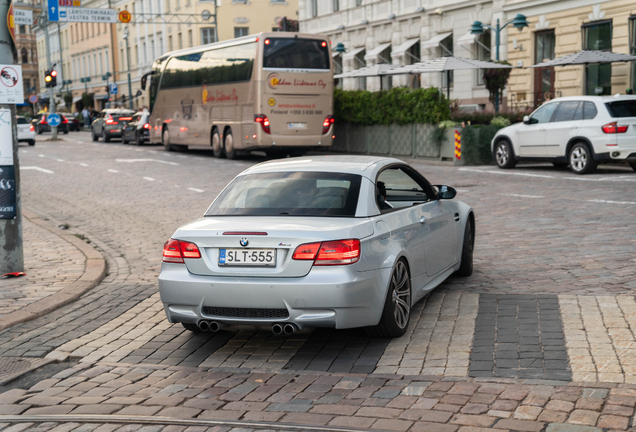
{"points": [[11, 254], [52, 107]]}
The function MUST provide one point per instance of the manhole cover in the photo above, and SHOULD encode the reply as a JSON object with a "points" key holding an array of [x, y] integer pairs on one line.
{"points": [[11, 365]]}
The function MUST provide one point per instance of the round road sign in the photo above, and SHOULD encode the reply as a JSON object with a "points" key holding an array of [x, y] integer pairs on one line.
{"points": [[53, 119], [125, 16], [33, 98]]}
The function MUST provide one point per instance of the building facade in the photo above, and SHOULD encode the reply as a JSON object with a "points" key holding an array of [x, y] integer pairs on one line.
{"points": [[27, 52]]}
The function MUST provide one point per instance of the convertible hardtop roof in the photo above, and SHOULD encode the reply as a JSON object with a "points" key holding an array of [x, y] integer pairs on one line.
{"points": [[366, 166]]}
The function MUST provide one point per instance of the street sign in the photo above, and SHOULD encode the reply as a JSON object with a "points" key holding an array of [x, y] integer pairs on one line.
{"points": [[113, 88], [71, 3], [125, 16], [78, 14], [33, 99], [11, 84], [23, 16], [53, 119], [54, 10]]}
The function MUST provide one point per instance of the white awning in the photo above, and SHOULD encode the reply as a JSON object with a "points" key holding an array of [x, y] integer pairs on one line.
{"points": [[467, 39], [354, 52], [76, 99], [435, 40], [404, 47], [375, 52]]}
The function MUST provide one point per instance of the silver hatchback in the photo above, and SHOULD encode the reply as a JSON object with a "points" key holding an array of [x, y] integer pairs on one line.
{"points": [[327, 241]]}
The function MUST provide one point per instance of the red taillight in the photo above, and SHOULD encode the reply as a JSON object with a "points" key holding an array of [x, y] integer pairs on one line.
{"points": [[338, 252], [125, 118], [612, 128], [32, 128], [327, 124], [147, 126], [264, 121], [174, 251], [324, 44], [266, 41], [110, 120], [64, 120]]}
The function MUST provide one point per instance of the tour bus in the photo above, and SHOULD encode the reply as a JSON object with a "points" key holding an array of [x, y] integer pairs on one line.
{"points": [[270, 91]]}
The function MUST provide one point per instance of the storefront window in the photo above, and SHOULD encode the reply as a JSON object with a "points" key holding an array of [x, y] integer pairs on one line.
{"points": [[598, 77]]}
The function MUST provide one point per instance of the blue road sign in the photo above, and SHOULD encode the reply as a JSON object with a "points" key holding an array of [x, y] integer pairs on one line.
{"points": [[54, 10], [113, 88], [53, 119]]}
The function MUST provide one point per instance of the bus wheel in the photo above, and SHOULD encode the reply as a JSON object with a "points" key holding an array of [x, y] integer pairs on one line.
{"points": [[165, 138], [230, 151], [216, 144]]}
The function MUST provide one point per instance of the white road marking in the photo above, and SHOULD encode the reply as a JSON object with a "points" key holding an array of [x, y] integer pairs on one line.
{"points": [[145, 160], [506, 173], [522, 196], [83, 164], [41, 155], [623, 178], [60, 160], [113, 171], [196, 190], [611, 202], [37, 169], [149, 178]]}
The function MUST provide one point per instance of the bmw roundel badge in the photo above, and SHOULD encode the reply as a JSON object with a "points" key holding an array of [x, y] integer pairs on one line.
{"points": [[244, 242]]}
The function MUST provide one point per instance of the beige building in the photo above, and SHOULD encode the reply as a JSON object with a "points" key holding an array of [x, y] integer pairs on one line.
{"points": [[563, 27], [27, 53]]}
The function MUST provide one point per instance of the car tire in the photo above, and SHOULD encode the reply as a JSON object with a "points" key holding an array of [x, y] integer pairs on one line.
{"points": [[93, 136], [581, 159], [468, 245], [228, 146], [39, 131], [397, 306], [66, 132], [139, 140], [504, 157], [105, 136], [123, 139], [165, 139], [217, 149], [633, 165], [31, 142], [191, 327]]}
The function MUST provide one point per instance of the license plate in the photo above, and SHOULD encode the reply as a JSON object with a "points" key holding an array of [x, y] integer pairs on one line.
{"points": [[297, 125], [247, 257]]}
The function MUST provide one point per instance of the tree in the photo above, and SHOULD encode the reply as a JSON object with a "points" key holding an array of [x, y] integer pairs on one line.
{"points": [[496, 81]]}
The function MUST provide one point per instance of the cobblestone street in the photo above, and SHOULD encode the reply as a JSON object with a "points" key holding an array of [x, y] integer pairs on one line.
{"points": [[542, 336]]}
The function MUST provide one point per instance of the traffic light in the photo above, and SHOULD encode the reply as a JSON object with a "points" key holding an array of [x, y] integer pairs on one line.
{"points": [[47, 78], [53, 78]]}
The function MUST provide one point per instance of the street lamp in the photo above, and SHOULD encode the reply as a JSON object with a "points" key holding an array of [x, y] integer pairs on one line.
{"points": [[518, 22], [85, 81], [128, 64], [105, 78]]}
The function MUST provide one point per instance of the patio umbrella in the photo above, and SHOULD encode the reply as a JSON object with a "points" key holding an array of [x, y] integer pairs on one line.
{"points": [[447, 64], [586, 57], [368, 71]]}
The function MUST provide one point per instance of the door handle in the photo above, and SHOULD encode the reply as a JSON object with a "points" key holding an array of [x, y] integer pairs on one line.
{"points": [[423, 220]]}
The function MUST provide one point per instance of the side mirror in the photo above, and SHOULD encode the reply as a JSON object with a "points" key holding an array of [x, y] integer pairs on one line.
{"points": [[446, 192], [144, 79], [526, 119]]}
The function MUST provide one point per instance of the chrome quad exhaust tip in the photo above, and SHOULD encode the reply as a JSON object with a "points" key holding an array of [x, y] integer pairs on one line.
{"points": [[277, 329]]}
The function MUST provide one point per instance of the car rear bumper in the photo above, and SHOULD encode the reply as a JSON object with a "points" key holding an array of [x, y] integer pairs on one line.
{"points": [[337, 297]]}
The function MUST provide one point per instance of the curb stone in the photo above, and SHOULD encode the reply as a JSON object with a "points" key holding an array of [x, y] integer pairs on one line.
{"points": [[94, 272]]}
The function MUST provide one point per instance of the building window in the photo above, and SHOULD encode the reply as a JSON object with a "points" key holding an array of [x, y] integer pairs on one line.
{"points": [[25, 56], [22, 29], [358, 2], [190, 42], [275, 29], [544, 43], [446, 49], [598, 77], [241, 31], [632, 50], [146, 53], [180, 40], [482, 43], [169, 43], [336, 5], [208, 35], [314, 8]]}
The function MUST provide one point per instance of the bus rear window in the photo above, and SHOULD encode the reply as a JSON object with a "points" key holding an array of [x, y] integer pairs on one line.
{"points": [[295, 53]]}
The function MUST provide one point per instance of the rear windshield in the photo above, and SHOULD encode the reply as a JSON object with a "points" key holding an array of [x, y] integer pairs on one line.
{"points": [[626, 108], [296, 53], [22, 120], [289, 194]]}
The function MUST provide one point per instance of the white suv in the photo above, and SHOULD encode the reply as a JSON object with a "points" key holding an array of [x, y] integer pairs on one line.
{"points": [[580, 131], [26, 131]]}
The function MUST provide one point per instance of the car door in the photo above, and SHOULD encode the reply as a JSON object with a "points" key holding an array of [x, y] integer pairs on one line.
{"points": [[530, 136], [564, 125], [131, 127]]}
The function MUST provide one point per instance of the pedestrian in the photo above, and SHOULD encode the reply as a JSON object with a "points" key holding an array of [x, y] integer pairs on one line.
{"points": [[629, 91], [85, 115]]}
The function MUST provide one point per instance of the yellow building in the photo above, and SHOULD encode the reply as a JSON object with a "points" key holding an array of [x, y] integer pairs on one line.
{"points": [[564, 27]]}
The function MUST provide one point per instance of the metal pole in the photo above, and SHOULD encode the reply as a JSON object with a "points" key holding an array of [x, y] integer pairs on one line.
{"points": [[11, 255], [497, 59], [52, 107], [130, 102]]}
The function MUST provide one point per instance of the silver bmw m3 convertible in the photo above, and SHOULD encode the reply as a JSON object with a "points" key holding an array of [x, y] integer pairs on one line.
{"points": [[326, 241]]}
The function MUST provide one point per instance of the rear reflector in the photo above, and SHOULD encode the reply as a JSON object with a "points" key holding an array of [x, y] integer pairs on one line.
{"points": [[244, 233], [174, 251], [338, 252]]}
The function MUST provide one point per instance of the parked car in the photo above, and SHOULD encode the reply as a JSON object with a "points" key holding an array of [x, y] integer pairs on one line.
{"points": [[579, 131], [43, 126], [26, 131], [137, 130], [327, 241], [110, 123], [73, 122]]}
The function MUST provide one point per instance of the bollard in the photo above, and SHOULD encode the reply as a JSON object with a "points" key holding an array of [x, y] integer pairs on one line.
{"points": [[458, 145]]}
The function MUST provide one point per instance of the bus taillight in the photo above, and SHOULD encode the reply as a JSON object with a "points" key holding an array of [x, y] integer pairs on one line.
{"points": [[264, 121], [327, 124]]}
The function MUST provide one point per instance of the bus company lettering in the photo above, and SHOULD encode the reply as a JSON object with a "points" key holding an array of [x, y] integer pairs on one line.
{"points": [[218, 96], [274, 81], [295, 105]]}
